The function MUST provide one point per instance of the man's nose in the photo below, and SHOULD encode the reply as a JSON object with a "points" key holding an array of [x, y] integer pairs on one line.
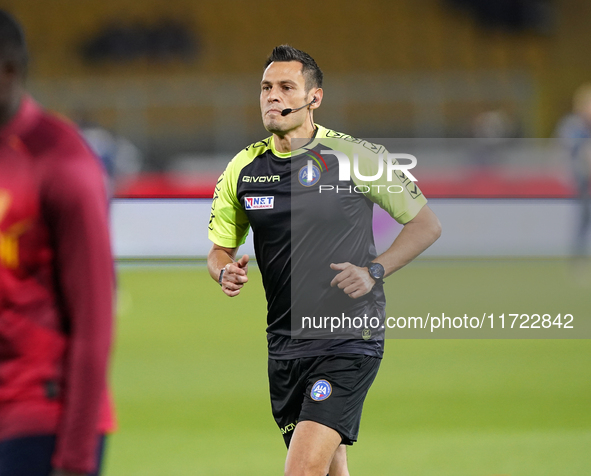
{"points": [[272, 97]]}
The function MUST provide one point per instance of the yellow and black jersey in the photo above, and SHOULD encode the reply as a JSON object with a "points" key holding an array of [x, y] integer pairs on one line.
{"points": [[309, 208]]}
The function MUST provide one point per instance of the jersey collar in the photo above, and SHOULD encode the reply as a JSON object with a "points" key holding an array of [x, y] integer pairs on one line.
{"points": [[320, 134]]}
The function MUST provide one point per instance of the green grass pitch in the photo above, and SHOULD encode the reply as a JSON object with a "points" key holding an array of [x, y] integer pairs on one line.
{"points": [[189, 379]]}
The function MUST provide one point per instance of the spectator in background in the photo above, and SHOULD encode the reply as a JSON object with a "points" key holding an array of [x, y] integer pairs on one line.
{"points": [[56, 285], [494, 130], [575, 134], [121, 159]]}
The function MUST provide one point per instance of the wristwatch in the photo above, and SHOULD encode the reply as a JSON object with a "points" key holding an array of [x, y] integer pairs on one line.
{"points": [[376, 271], [221, 275]]}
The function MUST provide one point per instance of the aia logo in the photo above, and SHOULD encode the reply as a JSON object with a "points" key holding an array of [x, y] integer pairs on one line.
{"points": [[321, 390], [310, 174]]}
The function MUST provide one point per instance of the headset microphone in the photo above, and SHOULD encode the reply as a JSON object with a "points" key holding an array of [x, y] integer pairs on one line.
{"points": [[287, 111]]}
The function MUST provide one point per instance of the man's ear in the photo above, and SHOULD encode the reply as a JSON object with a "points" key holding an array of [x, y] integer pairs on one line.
{"points": [[316, 98]]}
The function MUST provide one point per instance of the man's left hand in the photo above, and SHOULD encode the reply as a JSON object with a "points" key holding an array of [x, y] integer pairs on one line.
{"points": [[353, 280]]}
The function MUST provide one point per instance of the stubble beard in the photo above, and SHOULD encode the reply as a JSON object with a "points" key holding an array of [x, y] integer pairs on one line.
{"points": [[274, 126]]}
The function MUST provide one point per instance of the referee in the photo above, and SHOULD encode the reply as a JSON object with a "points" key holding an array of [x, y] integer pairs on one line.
{"points": [[314, 245]]}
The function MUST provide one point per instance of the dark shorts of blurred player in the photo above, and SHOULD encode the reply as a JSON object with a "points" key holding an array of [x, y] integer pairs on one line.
{"points": [[31, 456], [329, 390]]}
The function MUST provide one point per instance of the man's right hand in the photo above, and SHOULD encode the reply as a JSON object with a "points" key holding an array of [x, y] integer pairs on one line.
{"points": [[234, 276]]}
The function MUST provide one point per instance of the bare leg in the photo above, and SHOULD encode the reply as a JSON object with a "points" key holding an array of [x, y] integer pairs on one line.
{"points": [[311, 450], [338, 467]]}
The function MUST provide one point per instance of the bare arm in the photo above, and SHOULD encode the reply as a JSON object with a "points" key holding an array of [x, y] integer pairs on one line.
{"points": [[416, 236], [234, 277]]}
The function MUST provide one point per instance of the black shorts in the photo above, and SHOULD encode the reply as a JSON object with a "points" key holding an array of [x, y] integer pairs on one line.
{"points": [[31, 455], [328, 389]]}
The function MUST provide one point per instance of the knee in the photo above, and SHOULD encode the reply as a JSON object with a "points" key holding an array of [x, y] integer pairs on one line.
{"points": [[305, 471]]}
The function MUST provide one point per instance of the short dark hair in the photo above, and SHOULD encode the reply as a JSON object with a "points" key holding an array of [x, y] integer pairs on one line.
{"points": [[13, 46], [312, 73]]}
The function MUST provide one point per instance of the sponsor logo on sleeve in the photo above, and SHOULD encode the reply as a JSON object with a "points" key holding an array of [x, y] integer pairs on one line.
{"points": [[259, 203]]}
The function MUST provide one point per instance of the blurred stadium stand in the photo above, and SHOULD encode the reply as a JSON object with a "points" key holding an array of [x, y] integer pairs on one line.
{"points": [[397, 68]]}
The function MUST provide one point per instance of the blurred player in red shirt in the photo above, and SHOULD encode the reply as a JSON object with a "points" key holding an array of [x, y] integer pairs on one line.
{"points": [[56, 285]]}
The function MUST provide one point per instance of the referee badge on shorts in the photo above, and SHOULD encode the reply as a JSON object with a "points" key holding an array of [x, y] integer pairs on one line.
{"points": [[321, 390]]}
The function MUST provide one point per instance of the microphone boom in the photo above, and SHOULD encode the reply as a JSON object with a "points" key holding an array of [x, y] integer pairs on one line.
{"points": [[289, 110]]}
